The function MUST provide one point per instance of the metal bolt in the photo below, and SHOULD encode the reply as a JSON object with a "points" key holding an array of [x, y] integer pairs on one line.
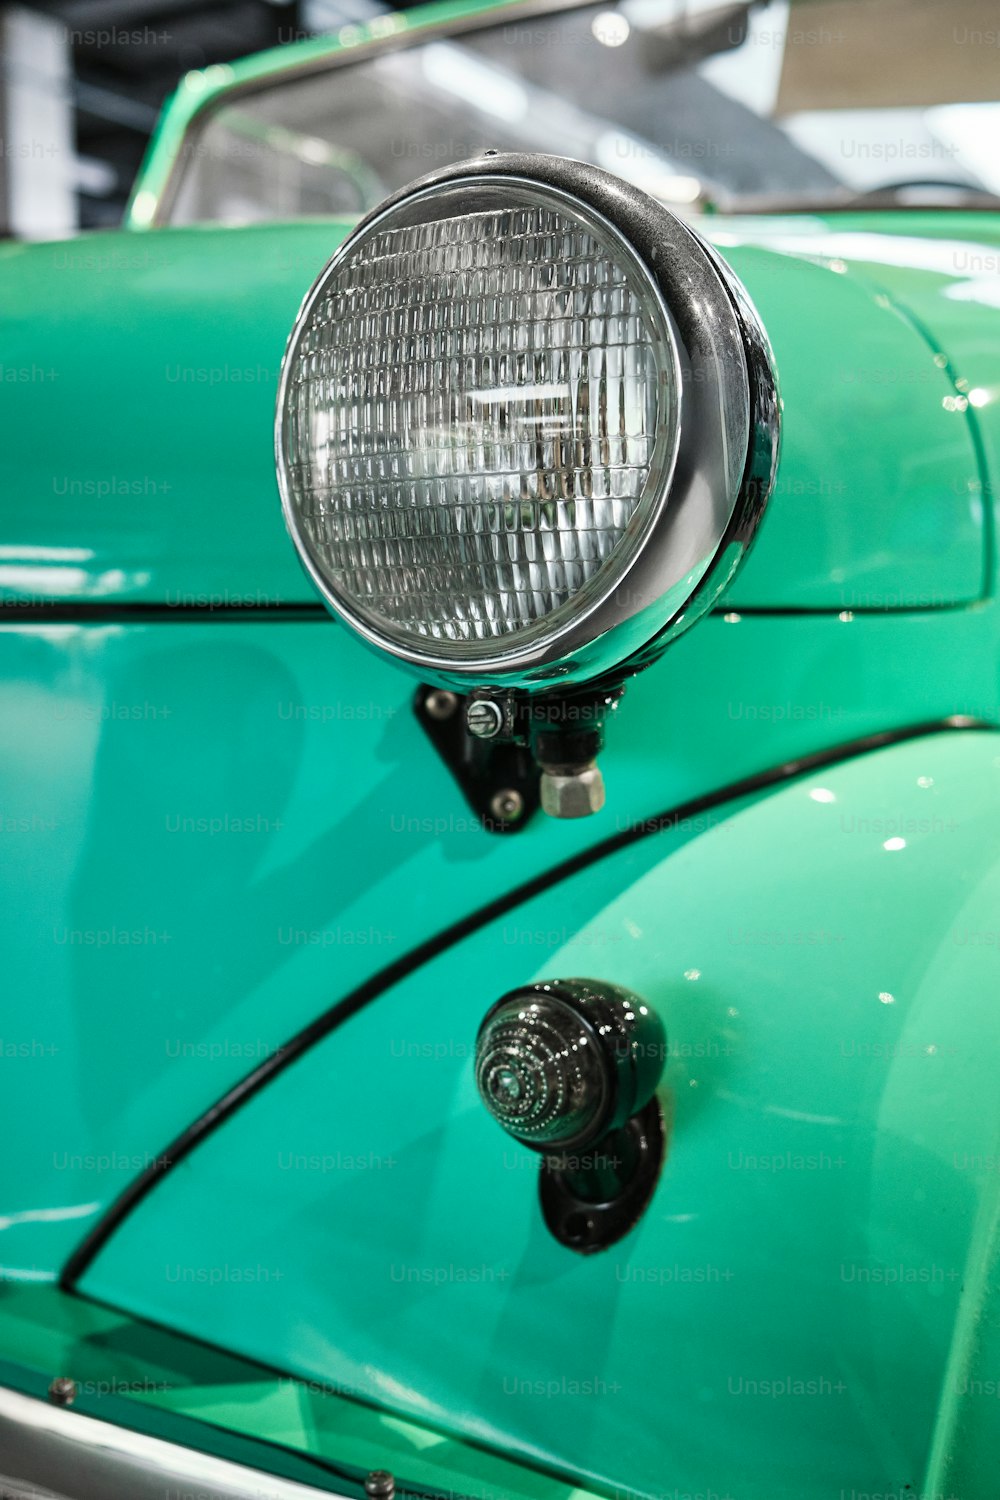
{"points": [[440, 704], [491, 153], [484, 718], [507, 805], [63, 1391], [380, 1485], [572, 792]]}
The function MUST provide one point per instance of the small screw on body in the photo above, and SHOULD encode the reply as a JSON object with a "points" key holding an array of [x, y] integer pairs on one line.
{"points": [[507, 805], [440, 704], [484, 718], [63, 1391], [380, 1485]]}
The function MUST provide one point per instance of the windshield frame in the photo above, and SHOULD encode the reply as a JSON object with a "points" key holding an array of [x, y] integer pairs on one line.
{"points": [[202, 93]]}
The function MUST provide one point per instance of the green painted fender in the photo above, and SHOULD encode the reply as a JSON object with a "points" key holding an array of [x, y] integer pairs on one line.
{"points": [[167, 346], [800, 1311]]}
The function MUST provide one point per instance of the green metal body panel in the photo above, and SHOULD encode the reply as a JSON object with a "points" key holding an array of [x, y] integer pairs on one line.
{"points": [[164, 349], [152, 1380], [213, 829], [155, 359], [944, 270], [780, 1323]]}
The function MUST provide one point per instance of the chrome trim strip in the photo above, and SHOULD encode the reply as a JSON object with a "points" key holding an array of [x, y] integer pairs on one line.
{"points": [[52, 1453]]}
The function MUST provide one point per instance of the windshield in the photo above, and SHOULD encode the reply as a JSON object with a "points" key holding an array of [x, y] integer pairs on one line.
{"points": [[736, 106]]}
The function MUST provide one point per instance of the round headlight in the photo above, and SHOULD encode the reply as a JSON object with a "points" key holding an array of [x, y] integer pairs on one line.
{"points": [[517, 425]]}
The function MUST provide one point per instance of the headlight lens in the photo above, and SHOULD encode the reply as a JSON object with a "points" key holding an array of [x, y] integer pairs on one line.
{"points": [[480, 415]]}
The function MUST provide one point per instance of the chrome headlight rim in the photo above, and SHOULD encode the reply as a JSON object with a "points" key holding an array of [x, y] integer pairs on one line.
{"points": [[509, 656], [693, 536]]}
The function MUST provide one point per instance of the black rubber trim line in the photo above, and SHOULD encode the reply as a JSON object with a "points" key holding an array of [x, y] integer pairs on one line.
{"points": [[152, 612], [400, 968]]}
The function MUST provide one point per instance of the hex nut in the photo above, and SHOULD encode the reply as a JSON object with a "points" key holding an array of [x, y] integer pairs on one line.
{"points": [[572, 793], [63, 1391]]}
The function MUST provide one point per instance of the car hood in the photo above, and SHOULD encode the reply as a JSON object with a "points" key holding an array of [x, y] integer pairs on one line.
{"points": [[140, 374]]}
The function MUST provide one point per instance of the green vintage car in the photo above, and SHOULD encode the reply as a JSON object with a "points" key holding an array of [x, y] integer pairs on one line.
{"points": [[501, 978]]}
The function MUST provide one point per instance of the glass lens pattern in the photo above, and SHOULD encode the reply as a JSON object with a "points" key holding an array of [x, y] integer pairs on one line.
{"points": [[472, 410], [538, 1072]]}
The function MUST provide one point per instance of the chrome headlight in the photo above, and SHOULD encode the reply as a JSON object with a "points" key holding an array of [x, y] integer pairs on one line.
{"points": [[527, 425], [519, 418]]}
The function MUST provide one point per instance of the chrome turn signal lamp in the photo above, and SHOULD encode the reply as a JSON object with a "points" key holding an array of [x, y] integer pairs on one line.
{"points": [[570, 1067], [527, 425]]}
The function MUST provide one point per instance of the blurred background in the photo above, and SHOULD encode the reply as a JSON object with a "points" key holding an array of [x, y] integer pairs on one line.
{"points": [[82, 83], [809, 98]]}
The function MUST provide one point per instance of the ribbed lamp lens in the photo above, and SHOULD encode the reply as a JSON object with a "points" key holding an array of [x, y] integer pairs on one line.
{"points": [[480, 407], [538, 1071]]}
